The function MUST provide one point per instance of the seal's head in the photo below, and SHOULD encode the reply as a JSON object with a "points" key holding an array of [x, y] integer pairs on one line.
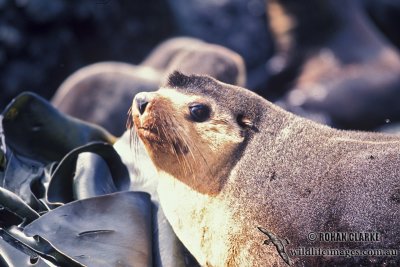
{"points": [[191, 131]]}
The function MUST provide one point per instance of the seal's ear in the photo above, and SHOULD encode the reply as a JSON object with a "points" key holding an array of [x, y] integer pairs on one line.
{"points": [[244, 121]]}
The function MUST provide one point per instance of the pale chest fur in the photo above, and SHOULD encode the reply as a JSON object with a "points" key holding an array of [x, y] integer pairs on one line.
{"points": [[203, 223]]}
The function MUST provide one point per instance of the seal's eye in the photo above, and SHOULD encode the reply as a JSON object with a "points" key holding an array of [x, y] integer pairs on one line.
{"points": [[199, 112]]}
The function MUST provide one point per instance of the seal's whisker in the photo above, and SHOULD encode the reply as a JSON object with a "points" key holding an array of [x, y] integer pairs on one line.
{"points": [[132, 142], [129, 122], [170, 142], [201, 155], [172, 146], [135, 144], [188, 165], [129, 125], [188, 146], [183, 139]]}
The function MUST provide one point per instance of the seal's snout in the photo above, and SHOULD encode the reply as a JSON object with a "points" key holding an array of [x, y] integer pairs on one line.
{"points": [[141, 101]]}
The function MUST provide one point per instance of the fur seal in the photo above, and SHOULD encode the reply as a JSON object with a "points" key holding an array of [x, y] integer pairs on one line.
{"points": [[333, 62], [193, 56], [217, 61], [243, 182], [162, 55], [101, 93]]}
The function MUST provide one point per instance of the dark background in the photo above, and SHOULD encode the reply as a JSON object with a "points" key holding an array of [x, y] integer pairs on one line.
{"points": [[44, 41]]}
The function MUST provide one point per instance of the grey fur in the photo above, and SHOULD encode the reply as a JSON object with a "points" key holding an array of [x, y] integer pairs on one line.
{"points": [[293, 176]]}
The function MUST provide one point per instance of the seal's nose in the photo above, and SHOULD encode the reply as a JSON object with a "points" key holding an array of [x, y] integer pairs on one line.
{"points": [[141, 101]]}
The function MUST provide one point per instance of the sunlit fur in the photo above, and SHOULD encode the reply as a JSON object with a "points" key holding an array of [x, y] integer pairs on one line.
{"points": [[190, 151], [264, 167]]}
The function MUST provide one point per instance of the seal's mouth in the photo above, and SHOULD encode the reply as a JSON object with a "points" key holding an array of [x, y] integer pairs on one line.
{"points": [[159, 132], [148, 131]]}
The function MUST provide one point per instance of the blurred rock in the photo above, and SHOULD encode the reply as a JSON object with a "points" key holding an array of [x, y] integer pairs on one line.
{"points": [[42, 42], [332, 62], [236, 24], [386, 16], [20, 74], [43, 11], [3, 3], [10, 36]]}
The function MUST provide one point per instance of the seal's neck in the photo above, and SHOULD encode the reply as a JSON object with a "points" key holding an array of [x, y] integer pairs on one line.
{"points": [[199, 220]]}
